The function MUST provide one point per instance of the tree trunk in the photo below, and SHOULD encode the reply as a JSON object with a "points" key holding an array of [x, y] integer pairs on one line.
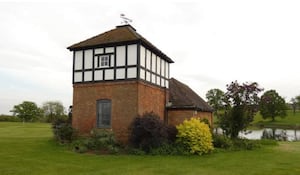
{"points": [[273, 119]]}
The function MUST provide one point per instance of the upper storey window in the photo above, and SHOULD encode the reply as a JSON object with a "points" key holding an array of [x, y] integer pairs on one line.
{"points": [[103, 61]]}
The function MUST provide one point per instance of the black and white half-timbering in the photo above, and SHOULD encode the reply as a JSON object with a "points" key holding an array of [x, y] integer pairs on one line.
{"points": [[120, 62]]}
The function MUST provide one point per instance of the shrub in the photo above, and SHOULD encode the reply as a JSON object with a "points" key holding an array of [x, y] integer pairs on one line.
{"points": [[196, 136], [149, 132], [170, 149], [63, 131], [245, 144], [80, 146], [221, 141], [103, 140]]}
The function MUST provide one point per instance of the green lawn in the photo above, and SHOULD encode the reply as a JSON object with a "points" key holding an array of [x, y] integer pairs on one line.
{"points": [[290, 120], [29, 149]]}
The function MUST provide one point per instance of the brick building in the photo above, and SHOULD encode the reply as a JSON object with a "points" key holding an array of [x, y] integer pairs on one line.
{"points": [[118, 75]]}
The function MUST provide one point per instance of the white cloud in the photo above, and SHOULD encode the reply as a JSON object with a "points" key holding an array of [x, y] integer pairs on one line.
{"points": [[211, 42]]}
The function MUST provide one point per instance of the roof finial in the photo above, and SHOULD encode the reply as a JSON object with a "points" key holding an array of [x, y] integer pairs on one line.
{"points": [[125, 20]]}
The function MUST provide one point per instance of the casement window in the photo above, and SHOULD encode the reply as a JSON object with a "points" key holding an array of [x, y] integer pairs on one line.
{"points": [[103, 113], [103, 61]]}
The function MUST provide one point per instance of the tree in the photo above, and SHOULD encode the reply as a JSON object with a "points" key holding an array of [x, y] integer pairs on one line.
{"points": [[215, 99], [272, 105], [294, 105], [27, 111], [241, 104], [53, 110], [298, 100]]}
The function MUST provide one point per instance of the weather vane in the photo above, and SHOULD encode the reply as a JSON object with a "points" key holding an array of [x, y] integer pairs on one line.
{"points": [[125, 20]]}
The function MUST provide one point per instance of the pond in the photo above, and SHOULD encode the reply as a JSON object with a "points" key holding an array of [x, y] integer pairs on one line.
{"points": [[269, 133]]}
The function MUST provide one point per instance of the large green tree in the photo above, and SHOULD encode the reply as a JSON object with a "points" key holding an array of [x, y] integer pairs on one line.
{"points": [[215, 99], [298, 100], [272, 105], [53, 110], [241, 104], [27, 111], [294, 105]]}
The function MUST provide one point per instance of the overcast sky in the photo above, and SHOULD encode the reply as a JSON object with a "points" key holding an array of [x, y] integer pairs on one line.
{"points": [[212, 42]]}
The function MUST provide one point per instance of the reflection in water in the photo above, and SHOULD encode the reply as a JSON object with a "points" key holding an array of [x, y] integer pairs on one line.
{"points": [[272, 133], [269, 133]]}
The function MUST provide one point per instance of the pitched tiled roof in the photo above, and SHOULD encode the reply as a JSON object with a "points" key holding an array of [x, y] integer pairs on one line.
{"points": [[121, 34], [183, 97]]}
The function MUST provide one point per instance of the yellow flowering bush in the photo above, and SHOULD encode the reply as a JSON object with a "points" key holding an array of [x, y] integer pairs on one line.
{"points": [[195, 136]]}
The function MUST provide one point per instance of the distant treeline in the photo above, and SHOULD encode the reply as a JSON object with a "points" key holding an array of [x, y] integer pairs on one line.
{"points": [[9, 118]]}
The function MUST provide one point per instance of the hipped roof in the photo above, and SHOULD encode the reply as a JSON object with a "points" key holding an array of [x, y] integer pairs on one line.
{"points": [[183, 97], [121, 34]]}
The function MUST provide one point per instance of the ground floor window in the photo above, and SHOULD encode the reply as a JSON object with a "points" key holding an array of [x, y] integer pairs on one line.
{"points": [[103, 113]]}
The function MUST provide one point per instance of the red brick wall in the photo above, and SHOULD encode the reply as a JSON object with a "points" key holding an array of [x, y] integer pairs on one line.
{"points": [[151, 98], [128, 98], [176, 117]]}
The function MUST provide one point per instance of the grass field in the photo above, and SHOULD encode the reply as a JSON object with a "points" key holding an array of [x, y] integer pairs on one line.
{"points": [[29, 149], [290, 120]]}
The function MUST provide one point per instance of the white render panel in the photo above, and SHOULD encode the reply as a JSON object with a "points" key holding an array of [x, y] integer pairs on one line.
{"points": [[88, 76], [78, 60], [158, 65], [131, 72], [109, 74], [99, 51], [78, 77], [153, 62], [109, 50], [142, 74], [163, 68], [167, 84], [167, 69], [153, 79], [158, 80], [88, 59], [148, 75], [98, 75], [120, 74], [163, 82], [148, 59], [96, 62], [112, 60], [142, 56], [132, 54], [121, 56]]}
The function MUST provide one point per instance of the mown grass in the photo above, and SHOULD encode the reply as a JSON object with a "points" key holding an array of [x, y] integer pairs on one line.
{"points": [[290, 120], [29, 149]]}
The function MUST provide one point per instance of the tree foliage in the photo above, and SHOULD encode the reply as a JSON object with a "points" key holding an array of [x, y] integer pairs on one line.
{"points": [[241, 104], [294, 105], [53, 110], [215, 99], [27, 111], [298, 100], [272, 105]]}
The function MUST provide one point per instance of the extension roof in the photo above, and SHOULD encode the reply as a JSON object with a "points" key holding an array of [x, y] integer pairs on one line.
{"points": [[121, 34], [183, 97]]}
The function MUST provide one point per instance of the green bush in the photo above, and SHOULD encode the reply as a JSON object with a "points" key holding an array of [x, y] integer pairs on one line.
{"points": [[101, 141], [79, 146], [221, 141], [196, 136], [63, 131], [245, 144]]}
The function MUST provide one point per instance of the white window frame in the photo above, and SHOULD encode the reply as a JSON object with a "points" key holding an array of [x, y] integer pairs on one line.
{"points": [[103, 61]]}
